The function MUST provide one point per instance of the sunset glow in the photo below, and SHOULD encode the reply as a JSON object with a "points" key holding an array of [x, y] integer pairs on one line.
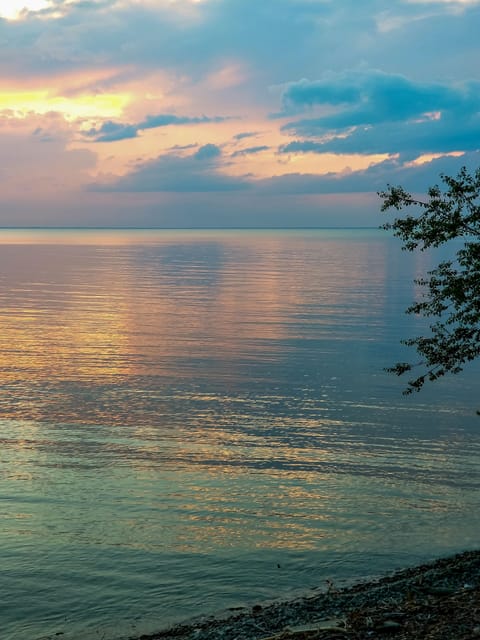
{"points": [[13, 9], [202, 287], [161, 104], [41, 102]]}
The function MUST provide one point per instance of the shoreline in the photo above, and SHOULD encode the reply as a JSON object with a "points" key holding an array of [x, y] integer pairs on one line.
{"points": [[439, 600]]}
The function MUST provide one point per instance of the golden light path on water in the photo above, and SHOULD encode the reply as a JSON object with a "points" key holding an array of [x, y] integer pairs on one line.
{"points": [[196, 420]]}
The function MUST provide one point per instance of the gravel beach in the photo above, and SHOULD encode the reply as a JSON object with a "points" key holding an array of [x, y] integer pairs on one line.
{"points": [[435, 601]]}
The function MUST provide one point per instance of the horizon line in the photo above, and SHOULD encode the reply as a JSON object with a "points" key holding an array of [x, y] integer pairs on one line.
{"points": [[114, 228]]}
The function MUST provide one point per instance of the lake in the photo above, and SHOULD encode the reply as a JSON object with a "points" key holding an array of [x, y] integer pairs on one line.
{"points": [[198, 420]]}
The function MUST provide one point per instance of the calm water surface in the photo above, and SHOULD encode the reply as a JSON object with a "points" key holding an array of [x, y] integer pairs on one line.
{"points": [[191, 421]]}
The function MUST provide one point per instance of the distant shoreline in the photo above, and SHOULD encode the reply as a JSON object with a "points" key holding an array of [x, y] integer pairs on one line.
{"points": [[439, 600]]}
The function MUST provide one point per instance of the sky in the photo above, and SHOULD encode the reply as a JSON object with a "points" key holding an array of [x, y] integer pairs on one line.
{"points": [[231, 113]]}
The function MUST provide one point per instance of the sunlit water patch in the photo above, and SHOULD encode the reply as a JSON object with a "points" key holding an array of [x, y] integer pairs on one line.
{"points": [[192, 421]]}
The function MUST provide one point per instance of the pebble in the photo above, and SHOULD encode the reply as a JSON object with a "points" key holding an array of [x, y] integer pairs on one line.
{"points": [[389, 626], [369, 608]]}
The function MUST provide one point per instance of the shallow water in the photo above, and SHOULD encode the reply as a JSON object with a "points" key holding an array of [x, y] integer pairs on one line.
{"points": [[197, 420]]}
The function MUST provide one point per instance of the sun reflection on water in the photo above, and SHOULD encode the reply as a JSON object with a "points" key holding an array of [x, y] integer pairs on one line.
{"points": [[178, 401]]}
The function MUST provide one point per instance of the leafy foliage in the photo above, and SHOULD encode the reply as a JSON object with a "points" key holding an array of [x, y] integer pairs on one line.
{"points": [[451, 292]]}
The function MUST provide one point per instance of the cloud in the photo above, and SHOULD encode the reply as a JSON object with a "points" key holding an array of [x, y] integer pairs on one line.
{"points": [[166, 119], [111, 131], [333, 91], [414, 177], [277, 37], [250, 150], [462, 3], [399, 79], [384, 113], [184, 36], [39, 163], [197, 172], [245, 134], [373, 97], [410, 139], [208, 152]]}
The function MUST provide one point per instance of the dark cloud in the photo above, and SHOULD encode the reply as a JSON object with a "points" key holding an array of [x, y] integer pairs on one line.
{"points": [[167, 119], [333, 90], [415, 178], [250, 150], [411, 138], [111, 131], [197, 172], [373, 97], [384, 113], [208, 152], [303, 146], [245, 134]]}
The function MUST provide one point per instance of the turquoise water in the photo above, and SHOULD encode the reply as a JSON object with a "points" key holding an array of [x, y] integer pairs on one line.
{"points": [[196, 420]]}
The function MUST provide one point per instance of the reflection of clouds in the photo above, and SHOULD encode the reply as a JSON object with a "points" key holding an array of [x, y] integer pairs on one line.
{"points": [[96, 313], [201, 380], [199, 490], [56, 330], [96, 324]]}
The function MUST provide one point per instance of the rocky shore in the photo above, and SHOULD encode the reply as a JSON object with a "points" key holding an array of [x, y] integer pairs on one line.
{"points": [[435, 601]]}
